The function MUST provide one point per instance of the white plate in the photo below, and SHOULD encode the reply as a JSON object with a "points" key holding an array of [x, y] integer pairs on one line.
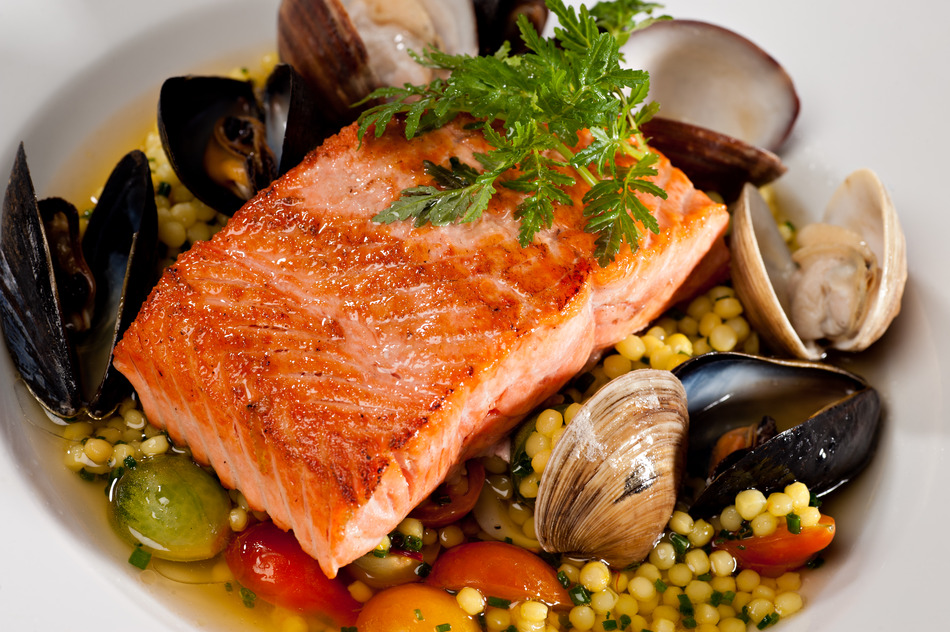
{"points": [[79, 80]]}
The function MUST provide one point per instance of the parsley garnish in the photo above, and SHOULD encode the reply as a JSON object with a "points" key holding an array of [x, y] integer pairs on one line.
{"points": [[531, 109]]}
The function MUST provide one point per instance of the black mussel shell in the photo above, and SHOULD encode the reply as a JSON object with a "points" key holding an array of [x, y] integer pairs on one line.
{"points": [[66, 369], [120, 246], [75, 282], [198, 116], [497, 22], [225, 144], [828, 421], [33, 322], [712, 161], [289, 105]]}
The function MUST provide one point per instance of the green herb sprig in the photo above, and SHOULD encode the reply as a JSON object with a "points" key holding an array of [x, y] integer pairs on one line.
{"points": [[531, 109]]}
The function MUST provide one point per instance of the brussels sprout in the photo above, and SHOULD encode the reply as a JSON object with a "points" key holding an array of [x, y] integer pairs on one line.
{"points": [[172, 508]]}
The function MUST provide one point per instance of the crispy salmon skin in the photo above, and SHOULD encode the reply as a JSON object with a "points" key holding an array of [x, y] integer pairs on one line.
{"points": [[334, 369]]}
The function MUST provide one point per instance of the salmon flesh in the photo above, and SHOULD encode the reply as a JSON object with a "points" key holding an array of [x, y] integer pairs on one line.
{"points": [[334, 369]]}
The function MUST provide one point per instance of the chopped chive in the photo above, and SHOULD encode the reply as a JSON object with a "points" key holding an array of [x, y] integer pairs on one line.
{"points": [[715, 598], [86, 475], [625, 621], [412, 543], [744, 615], [768, 620], [660, 585], [813, 500], [728, 597], [248, 597], [443, 627], [689, 623], [228, 587], [815, 563], [164, 189], [609, 624], [579, 595], [508, 540], [511, 628], [379, 553], [794, 523], [564, 579], [680, 544], [418, 614], [498, 602], [423, 570], [140, 558], [705, 577], [686, 606]]}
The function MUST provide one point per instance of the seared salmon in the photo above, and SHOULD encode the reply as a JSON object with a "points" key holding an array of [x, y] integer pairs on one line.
{"points": [[334, 369]]}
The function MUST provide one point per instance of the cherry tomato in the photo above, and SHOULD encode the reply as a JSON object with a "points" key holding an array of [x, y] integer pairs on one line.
{"points": [[498, 569], [270, 562], [413, 608], [782, 551], [450, 502]]}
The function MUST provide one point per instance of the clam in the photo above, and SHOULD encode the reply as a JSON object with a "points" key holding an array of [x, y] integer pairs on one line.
{"points": [[611, 483], [840, 289], [63, 354], [344, 49], [725, 104], [826, 424]]}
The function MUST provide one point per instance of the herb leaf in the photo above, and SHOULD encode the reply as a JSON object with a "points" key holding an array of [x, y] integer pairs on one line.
{"points": [[532, 109]]}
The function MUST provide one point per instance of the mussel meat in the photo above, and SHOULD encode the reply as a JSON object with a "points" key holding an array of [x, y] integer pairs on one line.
{"points": [[62, 351], [726, 105], [611, 483], [840, 289], [827, 419]]}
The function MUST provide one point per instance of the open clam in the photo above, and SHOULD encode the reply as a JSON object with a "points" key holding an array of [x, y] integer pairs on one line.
{"points": [[725, 104], [840, 289], [827, 422], [610, 485], [65, 360]]}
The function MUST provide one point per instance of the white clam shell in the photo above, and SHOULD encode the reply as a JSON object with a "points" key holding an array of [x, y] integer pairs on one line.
{"points": [[764, 272], [610, 485], [714, 78]]}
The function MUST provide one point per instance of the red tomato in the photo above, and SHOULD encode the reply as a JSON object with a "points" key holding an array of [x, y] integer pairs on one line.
{"points": [[782, 551], [499, 570], [461, 497], [270, 562]]}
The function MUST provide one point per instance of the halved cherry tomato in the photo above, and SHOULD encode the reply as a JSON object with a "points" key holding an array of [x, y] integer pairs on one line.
{"points": [[450, 502], [270, 562], [414, 608], [782, 551], [501, 570]]}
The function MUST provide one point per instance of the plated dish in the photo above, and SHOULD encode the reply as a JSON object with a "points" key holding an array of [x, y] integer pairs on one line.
{"points": [[904, 474]]}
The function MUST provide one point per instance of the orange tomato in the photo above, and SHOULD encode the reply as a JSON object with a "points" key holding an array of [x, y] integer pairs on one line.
{"points": [[450, 502], [501, 570], [413, 608], [774, 554]]}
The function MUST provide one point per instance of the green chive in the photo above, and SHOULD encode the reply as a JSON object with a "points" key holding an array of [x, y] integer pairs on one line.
{"points": [[794, 523], [744, 615], [248, 597], [164, 189], [625, 621], [379, 553], [813, 500], [423, 570], [609, 624], [768, 620], [228, 587], [660, 586], [86, 475], [498, 602], [140, 558], [705, 577], [412, 543], [686, 606], [418, 614], [563, 578], [815, 563], [689, 623], [680, 544], [443, 627], [579, 595], [728, 597]]}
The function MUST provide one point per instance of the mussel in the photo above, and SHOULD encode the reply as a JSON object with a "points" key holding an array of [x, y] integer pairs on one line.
{"points": [[725, 104], [827, 421], [57, 324], [611, 483], [840, 289]]}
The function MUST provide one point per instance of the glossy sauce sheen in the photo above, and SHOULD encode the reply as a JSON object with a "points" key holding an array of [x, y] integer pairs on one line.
{"points": [[334, 369]]}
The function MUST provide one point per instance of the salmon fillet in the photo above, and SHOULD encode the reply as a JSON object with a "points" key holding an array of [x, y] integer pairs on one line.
{"points": [[334, 369]]}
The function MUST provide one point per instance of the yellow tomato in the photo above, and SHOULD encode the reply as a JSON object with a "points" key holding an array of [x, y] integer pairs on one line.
{"points": [[414, 608]]}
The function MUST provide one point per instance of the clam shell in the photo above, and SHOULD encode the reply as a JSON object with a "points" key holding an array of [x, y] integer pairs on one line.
{"points": [[610, 485], [763, 270]]}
